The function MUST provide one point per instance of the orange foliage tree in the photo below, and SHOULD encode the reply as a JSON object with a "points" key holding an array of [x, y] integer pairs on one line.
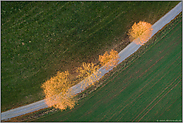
{"points": [[57, 93], [141, 30], [88, 72], [109, 60]]}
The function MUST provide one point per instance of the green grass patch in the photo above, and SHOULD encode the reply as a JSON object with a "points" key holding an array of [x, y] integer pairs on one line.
{"points": [[145, 87], [40, 38]]}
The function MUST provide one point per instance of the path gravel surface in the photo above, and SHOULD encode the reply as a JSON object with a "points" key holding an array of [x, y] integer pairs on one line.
{"points": [[130, 49]]}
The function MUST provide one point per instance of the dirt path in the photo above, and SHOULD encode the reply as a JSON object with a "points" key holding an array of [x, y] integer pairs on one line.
{"points": [[130, 49]]}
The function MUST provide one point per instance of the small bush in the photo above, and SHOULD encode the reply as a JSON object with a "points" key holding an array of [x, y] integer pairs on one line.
{"points": [[141, 30], [109, 60], [89, 73]]}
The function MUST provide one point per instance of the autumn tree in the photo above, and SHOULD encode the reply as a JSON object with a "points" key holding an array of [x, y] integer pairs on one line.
{"points": [[89, 73], [141, 30], [109, 60], [57, 93]]}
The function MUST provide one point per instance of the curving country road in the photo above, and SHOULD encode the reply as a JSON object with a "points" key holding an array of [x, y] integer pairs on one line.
{"points": [[130, 49]]}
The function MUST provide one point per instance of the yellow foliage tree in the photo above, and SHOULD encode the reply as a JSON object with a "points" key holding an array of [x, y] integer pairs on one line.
{"points": [[88, 72], [56, 91], [141, 30], [109, 60]]}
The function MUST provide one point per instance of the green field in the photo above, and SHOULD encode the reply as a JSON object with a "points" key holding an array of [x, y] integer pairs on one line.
{"points": [[145, 87], [40, 38]]}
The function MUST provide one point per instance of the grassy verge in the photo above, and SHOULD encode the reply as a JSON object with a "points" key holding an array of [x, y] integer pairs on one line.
{"points": [[145, 87], [40, 38]]}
